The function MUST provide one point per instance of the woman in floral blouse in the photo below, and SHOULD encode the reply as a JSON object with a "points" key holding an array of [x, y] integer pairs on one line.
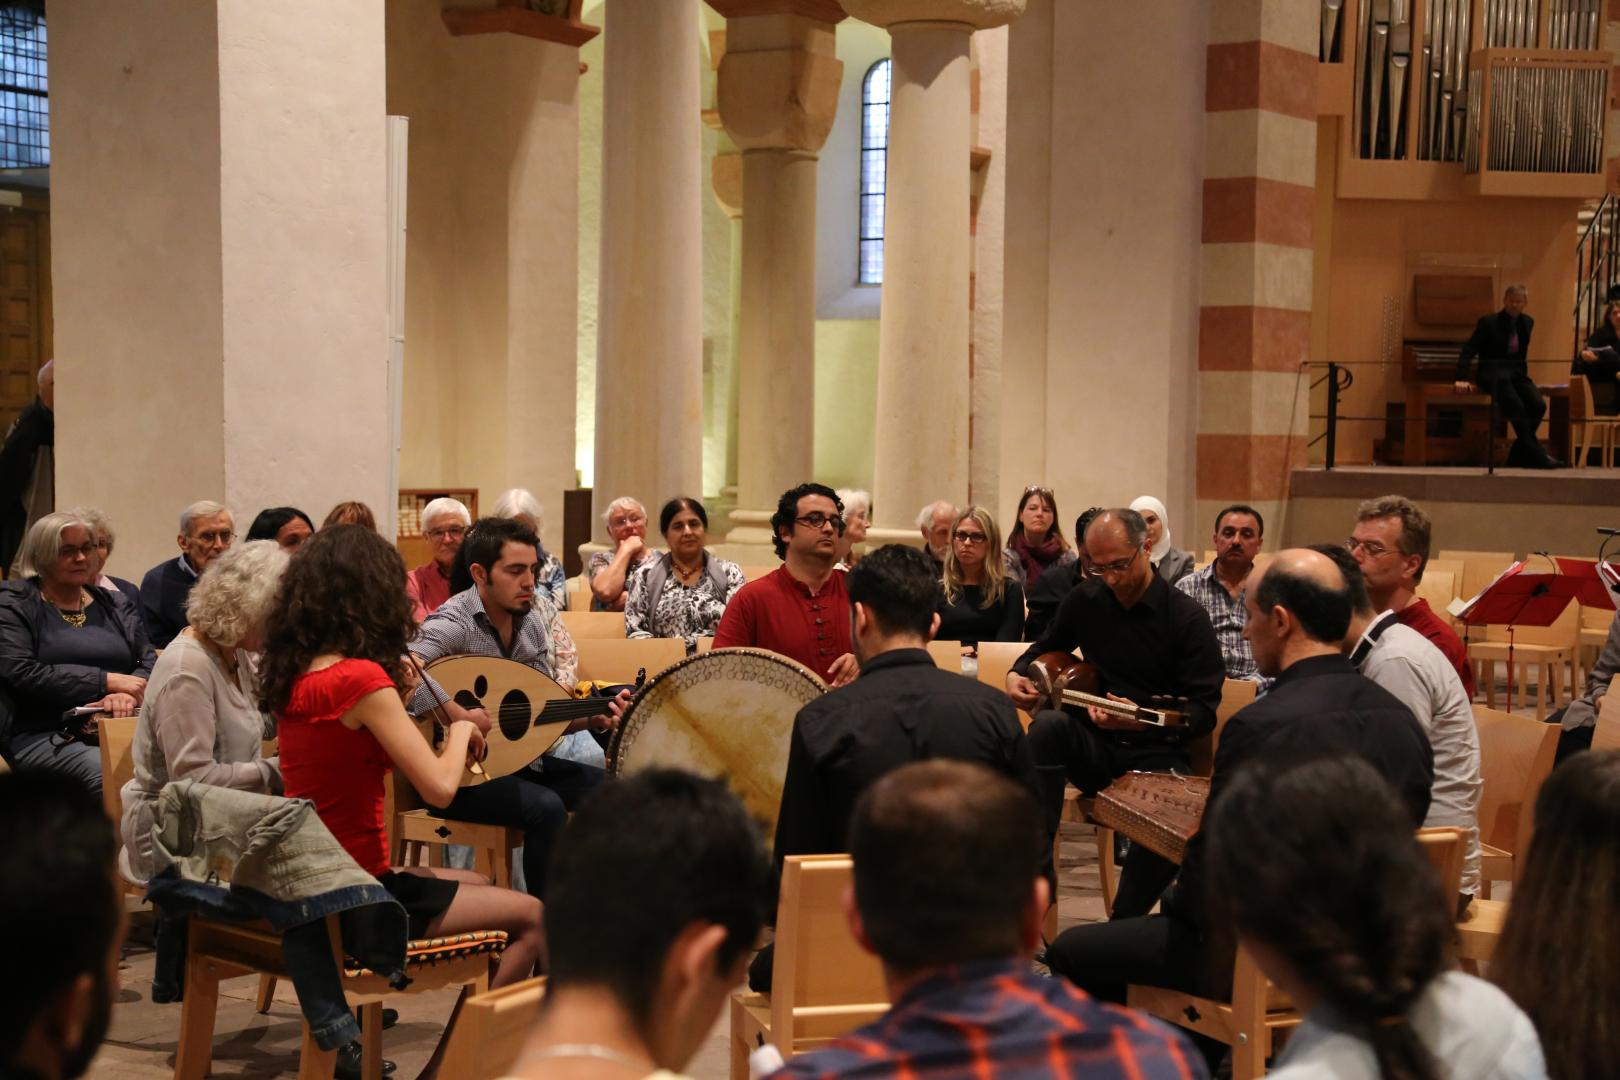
{"points": [[681, 592]]}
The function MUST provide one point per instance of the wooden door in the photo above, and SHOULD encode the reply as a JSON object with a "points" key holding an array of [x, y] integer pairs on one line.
{"points": [[19, 312]]}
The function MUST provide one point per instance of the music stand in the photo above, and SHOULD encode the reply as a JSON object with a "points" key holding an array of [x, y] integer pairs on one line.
{"points": [[1520, 599]]}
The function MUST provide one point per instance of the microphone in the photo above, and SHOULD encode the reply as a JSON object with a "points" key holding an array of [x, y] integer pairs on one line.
{"points": [[1601, 531]]}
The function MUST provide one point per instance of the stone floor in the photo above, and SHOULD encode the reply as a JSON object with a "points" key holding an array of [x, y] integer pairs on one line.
{"points": [[143, 1036]]}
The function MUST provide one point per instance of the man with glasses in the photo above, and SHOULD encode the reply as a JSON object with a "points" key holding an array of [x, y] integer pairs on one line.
{"points": [[1239, 532], [801, 609], [1151, 645], [206, 530], [444, 522], [1391, 545]]}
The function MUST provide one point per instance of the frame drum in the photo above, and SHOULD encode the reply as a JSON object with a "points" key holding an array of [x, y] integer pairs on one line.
{"points": [[727, 713]]}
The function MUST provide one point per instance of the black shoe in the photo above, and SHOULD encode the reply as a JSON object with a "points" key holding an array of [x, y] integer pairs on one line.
{"points": [[349, 1061], [390, 1017]]}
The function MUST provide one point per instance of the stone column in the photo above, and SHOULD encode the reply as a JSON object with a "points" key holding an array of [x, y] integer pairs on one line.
{"points": [[649, 375], [923, 391], [778, 94], [726, 176]]}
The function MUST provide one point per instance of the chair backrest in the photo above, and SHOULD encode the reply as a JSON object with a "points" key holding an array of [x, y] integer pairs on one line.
{"points": [[1606, 736], [1235, 694], [822, 983], [617, 660], [117, 761], [947, 655], [1439, 588], [704, 644], [490, 1030], [579, 594], [1479, 568], [1515, 755], [996, 658], [1596, 618], [1445, 849], [594, 624]]}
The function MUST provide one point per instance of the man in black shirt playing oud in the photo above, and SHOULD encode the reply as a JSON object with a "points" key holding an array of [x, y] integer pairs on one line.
{"points": [[1152, 645]]}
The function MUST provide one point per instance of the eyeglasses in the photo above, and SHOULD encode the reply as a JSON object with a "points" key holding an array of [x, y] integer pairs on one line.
{"points": [[962, 536], [1372, 547], [223, 536], [818, 520], [1035, 489], [621, 522], [1117, 567], [72, 551], [454, 532]]}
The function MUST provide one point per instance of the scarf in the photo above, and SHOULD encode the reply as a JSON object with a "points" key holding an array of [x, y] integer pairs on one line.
{"points": [[1164, 546], [1035, 558]]}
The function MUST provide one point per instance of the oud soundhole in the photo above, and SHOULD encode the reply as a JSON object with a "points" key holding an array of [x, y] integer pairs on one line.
{"points": [[468, 700], [481, 686], [515, 714]]}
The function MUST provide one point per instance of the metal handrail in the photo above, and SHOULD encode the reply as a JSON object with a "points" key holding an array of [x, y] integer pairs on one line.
{"points": [[1597, 263]]}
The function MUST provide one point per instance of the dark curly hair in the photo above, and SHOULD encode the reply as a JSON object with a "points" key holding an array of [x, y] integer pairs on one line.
{"points": [[344, 594], [787, 510]]}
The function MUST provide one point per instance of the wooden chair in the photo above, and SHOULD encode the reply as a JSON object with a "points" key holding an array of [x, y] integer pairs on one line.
{"points": [[617, 660], [490, 1031], [1479, 568], [1549, 650], [1515, 756], [1439, 588], [579, 595], [1249, 1023], [118, 769], [1606, 736], [1595, 624], [1595, 429], [704, 644], [419, 838], [594, 624], [947, 655], [823, 983]]}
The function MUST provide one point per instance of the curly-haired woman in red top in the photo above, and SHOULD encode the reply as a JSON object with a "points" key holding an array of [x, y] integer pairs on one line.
{"points": [[333, 674]]}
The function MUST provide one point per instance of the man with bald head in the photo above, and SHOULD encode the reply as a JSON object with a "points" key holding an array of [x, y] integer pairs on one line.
{"points": [[1151, 645], [1319, 705]]}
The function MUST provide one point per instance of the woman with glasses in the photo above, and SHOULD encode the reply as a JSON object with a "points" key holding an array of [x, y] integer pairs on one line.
{"points": [[1036, 541], [683, 591], [66, 642], [1171, 562], [102, 530], [981, 602], [608, 572]]}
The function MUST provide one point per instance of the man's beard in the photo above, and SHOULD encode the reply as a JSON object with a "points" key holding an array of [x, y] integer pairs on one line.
{"points": [[522, 608], [95, 1030]]}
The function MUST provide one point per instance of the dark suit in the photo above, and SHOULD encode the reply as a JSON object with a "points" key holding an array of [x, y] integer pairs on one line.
{"points": [[1501, 342]]}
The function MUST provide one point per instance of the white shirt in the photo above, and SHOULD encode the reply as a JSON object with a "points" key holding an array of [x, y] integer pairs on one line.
{"points": [[1473, 1030], [1408, 665]]}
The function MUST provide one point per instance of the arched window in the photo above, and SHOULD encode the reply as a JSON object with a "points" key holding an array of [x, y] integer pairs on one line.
{"points": [[874, 169]]}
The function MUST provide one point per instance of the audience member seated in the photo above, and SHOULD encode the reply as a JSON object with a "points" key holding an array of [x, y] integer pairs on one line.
{"points": [[333, 674], [1150, 645], [949, 895], [1299, 612], [800, 609], [934, 523], [200, 719], [1042, 601], [608, 573], [1600, 362], [634, 988], [1316, 868], [286, 525], [206, 530], [550, 580], [1391, 542], [980, 602], [66, 642], [28, 469], [1036, 543], [1403, 662], [102, 531], [1559, 950], [1578, 719], [1171, 562], [902, 708], [681, 592], [857, 519], [496, 613], [1239, 532], [58, 894], [351, 513], [444, 523]]}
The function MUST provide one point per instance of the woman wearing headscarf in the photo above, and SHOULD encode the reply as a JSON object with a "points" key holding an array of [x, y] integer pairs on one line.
{"points": [[1171, 562]]}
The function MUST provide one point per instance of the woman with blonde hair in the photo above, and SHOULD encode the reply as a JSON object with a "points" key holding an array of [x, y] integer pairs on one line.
{"points": [[982, 602]]}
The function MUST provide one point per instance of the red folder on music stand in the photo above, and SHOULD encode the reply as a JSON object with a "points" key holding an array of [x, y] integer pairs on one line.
{"points": [[1521, 599]]}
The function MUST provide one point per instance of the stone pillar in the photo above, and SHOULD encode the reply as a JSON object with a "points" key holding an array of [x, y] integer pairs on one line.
{"points": [[726, 175], [219, 260], [1254, 327], [923, 388], [778, 94], [649, 376]]}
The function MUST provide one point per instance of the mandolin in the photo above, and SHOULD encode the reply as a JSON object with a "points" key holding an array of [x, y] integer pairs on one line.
{"points": [[531, 711], [1065, 679]]}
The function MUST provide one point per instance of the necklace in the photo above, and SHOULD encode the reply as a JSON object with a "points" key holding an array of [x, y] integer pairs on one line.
{"points": [[74, 619], [687, 576], [585, 1050]]}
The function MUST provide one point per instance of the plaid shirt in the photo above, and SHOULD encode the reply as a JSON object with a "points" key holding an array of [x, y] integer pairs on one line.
{"points": [[460, 627], [1228, 615], [1000, 1019]]}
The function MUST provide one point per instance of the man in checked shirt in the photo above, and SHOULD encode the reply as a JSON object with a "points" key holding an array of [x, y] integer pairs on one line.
{"points": [[949, 895]]}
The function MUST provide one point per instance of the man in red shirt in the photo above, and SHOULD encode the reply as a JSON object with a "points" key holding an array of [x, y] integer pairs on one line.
{"points": [[444, 522], [1391, 545], [801, 609]]}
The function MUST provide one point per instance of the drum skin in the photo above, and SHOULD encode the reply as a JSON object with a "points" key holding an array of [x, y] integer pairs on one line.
{"points": [[727, 713]]}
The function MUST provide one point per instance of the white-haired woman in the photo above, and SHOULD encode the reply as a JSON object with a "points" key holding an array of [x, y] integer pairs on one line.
{"points": [[857, 519], [444, 523], [607, 572], [550, 579], [201, 719], [102, 530], [65, 642]]}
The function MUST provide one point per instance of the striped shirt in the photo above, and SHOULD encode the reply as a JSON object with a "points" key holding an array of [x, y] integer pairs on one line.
{"points": [[998, 1018], [1228, 615]]}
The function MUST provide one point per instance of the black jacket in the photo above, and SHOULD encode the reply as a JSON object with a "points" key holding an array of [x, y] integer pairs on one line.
{"points": [[41, 693], [1489, 342], [36, 427], [1049, 591], [164, 592], [1602, 372]]}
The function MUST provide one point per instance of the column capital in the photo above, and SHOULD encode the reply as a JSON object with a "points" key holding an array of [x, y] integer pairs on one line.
{"points": [[827, 11], [978, 14], [778, 98]]}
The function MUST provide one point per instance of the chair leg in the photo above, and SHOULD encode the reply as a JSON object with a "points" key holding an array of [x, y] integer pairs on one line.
{"points": [[1487, 679], [371, 1048], [1105, 867], [1485, 887], [313, 1062], [267, 993], [195, 1050], [1251, 1039], [1544, 682]]}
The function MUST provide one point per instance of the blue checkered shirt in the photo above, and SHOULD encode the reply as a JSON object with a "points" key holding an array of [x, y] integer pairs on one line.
{"points": [[1228, 615]]}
